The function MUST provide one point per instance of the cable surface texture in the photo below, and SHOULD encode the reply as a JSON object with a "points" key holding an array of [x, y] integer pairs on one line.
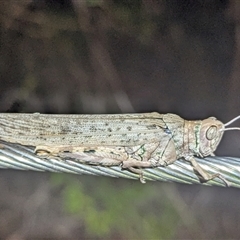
{"points": [[18, 157]]}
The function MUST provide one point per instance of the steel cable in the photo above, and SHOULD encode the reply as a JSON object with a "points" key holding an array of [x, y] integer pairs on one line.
{"points": [[15, 156]]}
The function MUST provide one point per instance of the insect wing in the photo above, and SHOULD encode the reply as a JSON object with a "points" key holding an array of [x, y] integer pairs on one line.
{"points": [[86, 130]]}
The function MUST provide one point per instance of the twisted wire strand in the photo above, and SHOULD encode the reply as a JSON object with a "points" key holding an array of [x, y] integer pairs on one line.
{"points": [[15, 156]]}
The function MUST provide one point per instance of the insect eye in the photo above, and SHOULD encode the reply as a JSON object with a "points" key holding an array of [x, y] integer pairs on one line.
{"points": [[211, 132]]}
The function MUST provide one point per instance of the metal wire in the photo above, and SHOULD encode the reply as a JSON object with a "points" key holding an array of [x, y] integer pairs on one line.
{"points": [[14, 156]]}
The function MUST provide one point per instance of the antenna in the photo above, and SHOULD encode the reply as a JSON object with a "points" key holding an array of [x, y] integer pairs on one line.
{"points": [[230, 122]]}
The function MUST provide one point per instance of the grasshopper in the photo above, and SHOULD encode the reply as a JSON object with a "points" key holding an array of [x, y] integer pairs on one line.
{"points": [[132, 141]]}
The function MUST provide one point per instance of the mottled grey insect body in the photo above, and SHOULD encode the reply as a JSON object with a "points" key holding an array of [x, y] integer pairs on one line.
{"points": [[134, 141]]}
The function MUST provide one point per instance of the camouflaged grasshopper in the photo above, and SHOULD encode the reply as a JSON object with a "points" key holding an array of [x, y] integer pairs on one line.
{"points": [[133, 141]]}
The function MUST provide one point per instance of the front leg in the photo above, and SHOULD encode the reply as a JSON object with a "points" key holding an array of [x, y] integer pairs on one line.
{"points": [[202, 174]]}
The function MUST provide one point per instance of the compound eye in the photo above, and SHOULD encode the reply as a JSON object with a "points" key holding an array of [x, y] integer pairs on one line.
{"points": [[211, 133]]}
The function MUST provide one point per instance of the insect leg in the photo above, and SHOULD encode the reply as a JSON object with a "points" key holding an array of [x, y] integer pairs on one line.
{"points": [[135, 167], [49, 151], [138, 157], [202, 174], [160, 153], [104, 156]]}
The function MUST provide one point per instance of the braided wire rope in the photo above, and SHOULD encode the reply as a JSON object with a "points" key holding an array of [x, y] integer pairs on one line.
{"points": [[18, 157]]}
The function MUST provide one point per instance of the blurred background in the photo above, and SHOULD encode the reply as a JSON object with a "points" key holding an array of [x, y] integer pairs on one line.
{"points": [[112, 56]]}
